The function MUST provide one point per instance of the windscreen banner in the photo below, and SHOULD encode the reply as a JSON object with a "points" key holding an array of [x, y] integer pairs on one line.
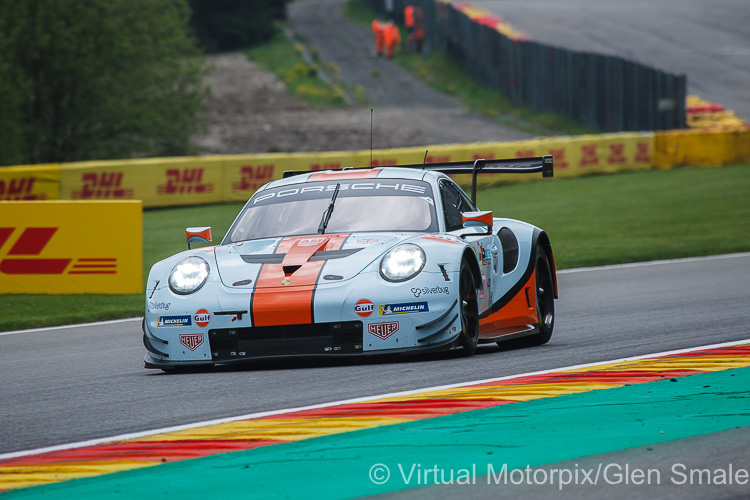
{"points": [[66, 247]]}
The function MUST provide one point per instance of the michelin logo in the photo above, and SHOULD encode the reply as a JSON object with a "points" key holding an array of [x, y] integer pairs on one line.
{"points": [[409, 307], [173, 320]]}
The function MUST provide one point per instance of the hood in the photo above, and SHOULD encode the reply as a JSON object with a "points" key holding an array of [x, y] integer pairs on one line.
{"points": [[302, 260]]}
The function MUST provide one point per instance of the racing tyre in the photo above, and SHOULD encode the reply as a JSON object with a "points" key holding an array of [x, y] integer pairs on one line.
{"points": [[469, 310], [545, 299]]}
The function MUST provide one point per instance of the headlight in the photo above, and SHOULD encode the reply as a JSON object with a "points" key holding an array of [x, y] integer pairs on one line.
{"points": [[402, 262], [188, 275]]}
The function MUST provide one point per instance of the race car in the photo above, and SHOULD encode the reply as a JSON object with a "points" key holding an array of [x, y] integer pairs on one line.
{"points": [[355, 261]]}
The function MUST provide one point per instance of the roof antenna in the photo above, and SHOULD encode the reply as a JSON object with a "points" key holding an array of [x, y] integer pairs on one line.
{"points": [[370, 137], [424, 162]]}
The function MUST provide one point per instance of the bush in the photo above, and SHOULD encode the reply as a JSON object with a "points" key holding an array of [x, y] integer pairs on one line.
{"points": [[223, 25], [97, 80]]}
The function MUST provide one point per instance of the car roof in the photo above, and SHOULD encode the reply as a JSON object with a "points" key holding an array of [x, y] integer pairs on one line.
{"points": [[358, 173]]}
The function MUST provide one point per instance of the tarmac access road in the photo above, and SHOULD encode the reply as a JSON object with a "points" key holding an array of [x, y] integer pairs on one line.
{"points": [[707, 40]]}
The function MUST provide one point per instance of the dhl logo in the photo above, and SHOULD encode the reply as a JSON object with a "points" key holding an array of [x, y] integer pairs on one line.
{"points": [[102, 185], [253, 177], [23, 256], [19, 189], [185, 181]]}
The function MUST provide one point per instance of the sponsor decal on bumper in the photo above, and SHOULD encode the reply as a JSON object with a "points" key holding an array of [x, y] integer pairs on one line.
{"points": [[191, 340], [407, 307], [174, 320], [383, 330]]}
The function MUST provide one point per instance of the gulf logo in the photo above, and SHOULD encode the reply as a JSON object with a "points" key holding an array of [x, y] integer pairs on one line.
{"points": [[201, 317], [364, 308]]}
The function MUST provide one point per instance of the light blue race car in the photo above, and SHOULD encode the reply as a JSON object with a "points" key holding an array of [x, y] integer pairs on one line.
{"points": [[355, 262]]}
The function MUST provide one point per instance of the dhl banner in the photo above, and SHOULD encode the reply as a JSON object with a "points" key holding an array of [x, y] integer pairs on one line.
{"points": [[244, 174], [572, 156], [211, 179], [155, 181], [30, 183], [62, 247]]}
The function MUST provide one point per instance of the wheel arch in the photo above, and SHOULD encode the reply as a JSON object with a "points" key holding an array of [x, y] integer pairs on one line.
{"points": [[476, 273], [541, 239]]}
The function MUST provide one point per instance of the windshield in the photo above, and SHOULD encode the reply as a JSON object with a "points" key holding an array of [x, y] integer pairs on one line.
{"points": [[388, 205]]}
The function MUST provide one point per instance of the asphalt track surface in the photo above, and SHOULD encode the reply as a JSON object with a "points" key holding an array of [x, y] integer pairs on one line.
{"points": [[72, 384], [707, 40]]}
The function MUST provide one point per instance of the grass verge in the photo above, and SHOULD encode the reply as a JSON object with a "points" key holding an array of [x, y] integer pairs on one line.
{"points": [[608, 219], [285, 59]]}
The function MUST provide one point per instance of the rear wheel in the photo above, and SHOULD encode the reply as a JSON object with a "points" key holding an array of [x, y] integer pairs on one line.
{"points": [[469, 310], [545, 299]]}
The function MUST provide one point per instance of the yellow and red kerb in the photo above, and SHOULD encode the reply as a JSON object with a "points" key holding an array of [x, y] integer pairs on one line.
{"points": [[87, 461]]}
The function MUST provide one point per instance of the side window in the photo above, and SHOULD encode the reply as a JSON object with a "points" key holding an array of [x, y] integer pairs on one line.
{"points": [[453, 205]]}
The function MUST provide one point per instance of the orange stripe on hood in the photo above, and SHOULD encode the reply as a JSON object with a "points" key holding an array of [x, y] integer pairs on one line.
{"points": [[284, 292]]}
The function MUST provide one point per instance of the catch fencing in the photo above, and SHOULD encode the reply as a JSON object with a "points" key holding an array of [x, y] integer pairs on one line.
{"points": [[604, 92]]}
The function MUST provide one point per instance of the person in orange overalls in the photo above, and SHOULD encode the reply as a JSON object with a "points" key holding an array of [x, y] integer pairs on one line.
{"points": [[409, 23], [378, 29], [392, 38]]}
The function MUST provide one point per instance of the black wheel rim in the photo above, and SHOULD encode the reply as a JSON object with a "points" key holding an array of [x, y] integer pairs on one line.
{"points": [[469, 308], [544, 294]]}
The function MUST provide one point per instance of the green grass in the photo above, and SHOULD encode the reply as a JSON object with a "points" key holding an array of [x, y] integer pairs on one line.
{"points": [[449, 76], [282, 57], [608, 219]]}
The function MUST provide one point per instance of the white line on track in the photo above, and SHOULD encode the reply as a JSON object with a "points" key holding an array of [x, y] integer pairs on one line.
{"points": [[136, 435], [654, 263], [565, 271], [64, 327]]}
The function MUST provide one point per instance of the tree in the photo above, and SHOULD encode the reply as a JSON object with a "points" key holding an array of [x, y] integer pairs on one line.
{"points": [[93, 79], [235, 24]]}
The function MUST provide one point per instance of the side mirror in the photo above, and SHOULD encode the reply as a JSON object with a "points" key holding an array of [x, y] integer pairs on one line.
{"points": [[197, 235], [478, 219]]}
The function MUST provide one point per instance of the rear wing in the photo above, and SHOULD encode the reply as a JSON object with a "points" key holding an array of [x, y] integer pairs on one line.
{"points": [[531, 165]]}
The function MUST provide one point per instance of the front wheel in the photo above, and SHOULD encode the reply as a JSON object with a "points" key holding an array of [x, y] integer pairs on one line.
{"points": [[469, 310]]}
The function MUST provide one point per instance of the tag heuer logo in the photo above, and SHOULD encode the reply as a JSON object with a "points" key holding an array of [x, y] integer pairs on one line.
{"points": [[383, 330], [191, 340]]}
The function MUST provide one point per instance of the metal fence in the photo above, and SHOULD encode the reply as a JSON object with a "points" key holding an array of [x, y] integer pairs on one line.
{"points": [[608, 93]]}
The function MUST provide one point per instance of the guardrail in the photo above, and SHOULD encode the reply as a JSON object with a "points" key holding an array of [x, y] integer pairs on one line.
{"points": [[199, 180], [608, 93]]}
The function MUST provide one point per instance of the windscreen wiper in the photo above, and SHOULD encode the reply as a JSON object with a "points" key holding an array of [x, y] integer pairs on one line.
{"points": [[329, 211]]}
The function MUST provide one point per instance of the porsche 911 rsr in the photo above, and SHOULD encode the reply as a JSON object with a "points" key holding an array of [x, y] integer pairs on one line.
{"points": [[355, 262]]}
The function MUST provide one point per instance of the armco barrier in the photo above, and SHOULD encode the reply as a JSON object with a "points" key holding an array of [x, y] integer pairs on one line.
{"points": [[162, 182], [62, 247], [605, 92]]}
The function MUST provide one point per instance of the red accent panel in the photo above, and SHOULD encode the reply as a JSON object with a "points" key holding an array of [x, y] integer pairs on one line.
{"points": [[485, 219], [5, 233], [34, 266], [344, 175], [32, 241]]}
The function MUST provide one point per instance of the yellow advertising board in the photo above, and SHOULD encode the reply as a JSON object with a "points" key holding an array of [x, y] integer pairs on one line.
{"points": [[62, 247], [712, 148], [157, 182], [244, 174], [30, 183]]}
